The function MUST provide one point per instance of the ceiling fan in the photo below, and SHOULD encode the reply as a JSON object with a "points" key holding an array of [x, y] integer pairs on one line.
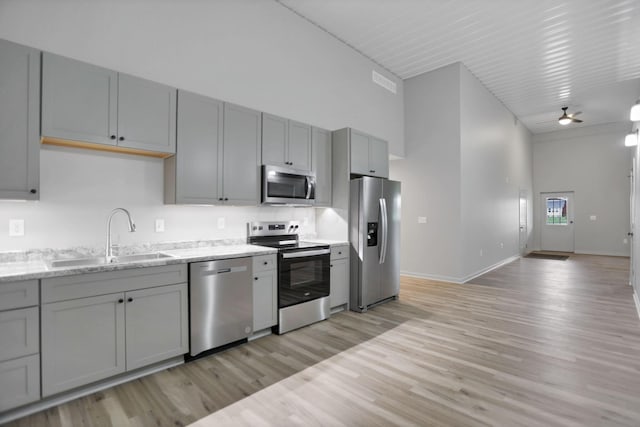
{"points": [[566, 119]]}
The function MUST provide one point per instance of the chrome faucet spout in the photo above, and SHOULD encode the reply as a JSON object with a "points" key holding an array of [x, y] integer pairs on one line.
{"points": [[132, 227]]}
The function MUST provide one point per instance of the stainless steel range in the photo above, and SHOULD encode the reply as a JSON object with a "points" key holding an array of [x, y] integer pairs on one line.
{"points": [[303, 273]]}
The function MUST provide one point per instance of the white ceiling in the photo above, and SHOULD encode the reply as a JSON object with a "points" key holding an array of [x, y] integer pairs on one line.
{"points": [[536, 56]]}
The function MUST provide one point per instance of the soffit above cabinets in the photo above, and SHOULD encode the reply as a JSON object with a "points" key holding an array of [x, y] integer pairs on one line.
{"points": [[535, 56]]}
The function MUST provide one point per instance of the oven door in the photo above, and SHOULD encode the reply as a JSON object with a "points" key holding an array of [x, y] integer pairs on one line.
{"points": [[303, 276], [287, 186]]}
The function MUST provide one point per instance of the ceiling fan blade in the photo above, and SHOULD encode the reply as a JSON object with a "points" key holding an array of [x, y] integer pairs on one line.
{"points": [[577, 113], [574, 120]]}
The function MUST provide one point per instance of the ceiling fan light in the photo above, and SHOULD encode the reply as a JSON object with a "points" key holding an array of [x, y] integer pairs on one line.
{"points": [[564, 121], [634, 114], [631, 140]]}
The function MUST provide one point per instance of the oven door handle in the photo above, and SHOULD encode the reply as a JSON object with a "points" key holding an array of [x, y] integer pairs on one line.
{"points": [[302, 254]]}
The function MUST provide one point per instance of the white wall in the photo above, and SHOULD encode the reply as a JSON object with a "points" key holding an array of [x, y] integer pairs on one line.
{"points": [[466, 160], [430, 175], [496, 161], [593, 162], [252, 52], [80, 187]]}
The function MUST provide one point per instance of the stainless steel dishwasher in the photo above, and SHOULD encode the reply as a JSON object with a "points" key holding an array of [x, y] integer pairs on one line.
{"points": [[221, 303]]}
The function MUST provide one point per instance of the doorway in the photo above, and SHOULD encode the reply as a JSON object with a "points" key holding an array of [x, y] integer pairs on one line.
{"points": [[524, 235], [557, 232]]}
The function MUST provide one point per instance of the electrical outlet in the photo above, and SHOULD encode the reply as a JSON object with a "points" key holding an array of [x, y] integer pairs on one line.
{"points": [[159, 225], [221, 223], [305, 222], [593, 217], [422, 220], [481, 252], [625, 241], [16, 227], [501, 245]]}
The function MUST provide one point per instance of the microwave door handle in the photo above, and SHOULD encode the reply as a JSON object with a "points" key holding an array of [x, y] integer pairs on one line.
{"points": [[308, 181]]}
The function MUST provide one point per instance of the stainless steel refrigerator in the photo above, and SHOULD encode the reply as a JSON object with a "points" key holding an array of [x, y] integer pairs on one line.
{"points": [[374, 234]]}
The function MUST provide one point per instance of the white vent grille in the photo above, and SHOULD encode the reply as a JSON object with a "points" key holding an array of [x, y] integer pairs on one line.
{"points": [[383, 81]]}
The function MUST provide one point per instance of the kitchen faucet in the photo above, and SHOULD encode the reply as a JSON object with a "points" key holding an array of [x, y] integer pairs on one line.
{"points": [[132, 227]]}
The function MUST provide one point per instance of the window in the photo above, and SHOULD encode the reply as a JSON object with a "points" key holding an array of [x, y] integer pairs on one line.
{"points": [[556, 211]]}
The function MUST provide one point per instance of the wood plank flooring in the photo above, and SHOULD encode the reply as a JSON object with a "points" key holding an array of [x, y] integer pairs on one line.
{"points": [[534, 343]]}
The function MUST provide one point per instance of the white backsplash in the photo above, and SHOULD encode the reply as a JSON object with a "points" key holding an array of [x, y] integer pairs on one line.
{"points": [[79, 188]]}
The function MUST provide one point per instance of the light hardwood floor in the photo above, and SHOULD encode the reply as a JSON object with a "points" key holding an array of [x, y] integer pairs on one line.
{"points": [[534, 343]]}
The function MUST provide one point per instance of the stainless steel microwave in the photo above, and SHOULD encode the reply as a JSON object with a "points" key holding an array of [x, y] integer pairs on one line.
{"points": [[288, 186]]}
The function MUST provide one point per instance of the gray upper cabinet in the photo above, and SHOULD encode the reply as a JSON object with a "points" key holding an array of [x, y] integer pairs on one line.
{"points": [[19, 118], [146, 115], [83, 103], [369, 155], [321, 148], [192, 176], [285, 142], [79, 101], [240, 162]]}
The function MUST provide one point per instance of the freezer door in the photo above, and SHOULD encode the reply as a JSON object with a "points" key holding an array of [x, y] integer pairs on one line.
{"points": [[390, 268], [369, 236]]}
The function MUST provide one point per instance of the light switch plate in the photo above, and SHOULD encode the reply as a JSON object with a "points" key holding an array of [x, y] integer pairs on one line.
{"points": [[16, 227], [422, 220], [593, 217], [159, 225], [221, 223]]}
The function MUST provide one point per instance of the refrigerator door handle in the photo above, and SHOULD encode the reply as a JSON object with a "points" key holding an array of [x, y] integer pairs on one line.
{"points": [[384, 224]]}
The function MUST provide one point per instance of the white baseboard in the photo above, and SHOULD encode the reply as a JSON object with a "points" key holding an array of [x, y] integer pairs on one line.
{"points": [[459, 280], [602, 253], [637, 301], [435, 277], [488, 269]]}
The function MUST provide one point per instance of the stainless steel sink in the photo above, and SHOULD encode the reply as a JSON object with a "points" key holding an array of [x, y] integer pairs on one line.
{"points": [[88, 262]]}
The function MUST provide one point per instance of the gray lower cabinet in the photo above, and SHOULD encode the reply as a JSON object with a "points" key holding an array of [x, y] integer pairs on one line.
{"points": [[339, 294], [265, 292], [98, 325], [83, 341], [89, 104], [321, 149], [19, 122], [240, 183], [193, 175], [157, 324], [286, 142], [19, 344]]}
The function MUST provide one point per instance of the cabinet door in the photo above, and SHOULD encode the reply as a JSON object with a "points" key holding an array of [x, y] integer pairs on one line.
{"points": [[265, 299], [19, 382], [83, 341], [378, 158], [19, 333], [79, 101], [299, 154], [240, 162], [19, 122], [321, 144], [339, 282], [146, 115], [157, 324], [274, 140], [199, 144], [359, 153]]}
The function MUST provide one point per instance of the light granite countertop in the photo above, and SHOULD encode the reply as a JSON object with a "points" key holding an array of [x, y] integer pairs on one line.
{"points": [[39, 268]]}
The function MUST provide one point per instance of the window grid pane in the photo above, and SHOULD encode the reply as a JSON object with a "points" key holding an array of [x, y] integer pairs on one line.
{"points": [[557, 211]]}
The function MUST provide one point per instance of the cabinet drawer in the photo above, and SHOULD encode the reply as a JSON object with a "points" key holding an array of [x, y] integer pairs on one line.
{"points": [[93, 284], [18, 294], [19, 333], [338, 252], [19, 382], [264, 263]]}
